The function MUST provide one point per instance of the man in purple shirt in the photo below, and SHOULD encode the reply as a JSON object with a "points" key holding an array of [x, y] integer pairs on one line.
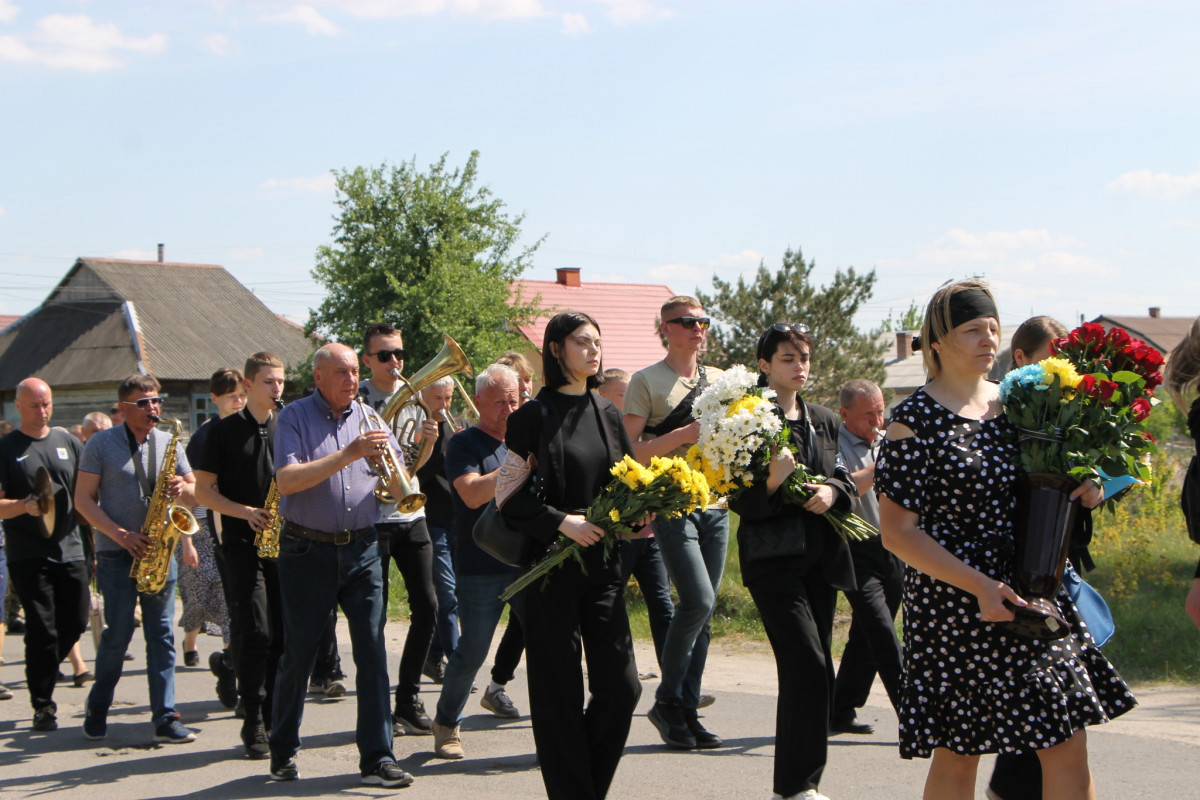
{"points": [[329, 554]]}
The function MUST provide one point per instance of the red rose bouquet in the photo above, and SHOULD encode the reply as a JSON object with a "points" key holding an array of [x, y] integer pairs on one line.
{"points": [[1120, 373]]}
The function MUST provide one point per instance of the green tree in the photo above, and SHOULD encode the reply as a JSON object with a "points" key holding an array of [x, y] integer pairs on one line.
{"points": [[840, 351], [430, 252], [910, 320]]}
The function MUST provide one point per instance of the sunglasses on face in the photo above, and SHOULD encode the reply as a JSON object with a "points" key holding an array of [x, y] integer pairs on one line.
{"points": [[144, 402], [692, 322], [387, 355]]}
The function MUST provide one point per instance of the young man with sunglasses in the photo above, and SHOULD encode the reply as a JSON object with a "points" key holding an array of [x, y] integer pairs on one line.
{"points": [[404, 536], [117, 476], [658, 405]]}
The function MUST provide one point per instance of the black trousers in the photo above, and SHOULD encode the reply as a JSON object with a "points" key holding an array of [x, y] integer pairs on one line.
{"points": [[797, 613], [55, 599], [576, 615], [409, 544], [252, 594], [508, 652], [872, 645], [1017, 776]]}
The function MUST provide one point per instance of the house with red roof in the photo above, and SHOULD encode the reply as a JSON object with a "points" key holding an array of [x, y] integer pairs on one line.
{"points": [[627, 314], [8, 319]]}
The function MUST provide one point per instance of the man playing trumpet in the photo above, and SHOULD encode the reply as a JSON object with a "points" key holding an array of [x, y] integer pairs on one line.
{"points": [[233, 476], [328, 554]]}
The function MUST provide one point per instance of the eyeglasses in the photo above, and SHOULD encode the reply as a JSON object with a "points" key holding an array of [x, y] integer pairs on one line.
{"points": [[692, 322], [798, 328], [387, 355], [144, 402]]}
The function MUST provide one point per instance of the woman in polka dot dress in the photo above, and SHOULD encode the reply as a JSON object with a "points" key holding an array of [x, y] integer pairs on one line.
{"points": [[945, 478]]}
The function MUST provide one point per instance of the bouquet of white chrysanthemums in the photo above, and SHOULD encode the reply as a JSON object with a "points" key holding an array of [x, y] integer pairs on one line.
{"points": [[737, 421]]}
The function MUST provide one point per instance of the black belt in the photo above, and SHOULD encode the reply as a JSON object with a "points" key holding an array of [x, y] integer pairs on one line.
{"points": [[337, 537]]}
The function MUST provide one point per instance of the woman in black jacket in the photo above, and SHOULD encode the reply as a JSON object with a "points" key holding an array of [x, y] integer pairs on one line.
{"points": [[1181, 377], [576, 436], [793, 563]]}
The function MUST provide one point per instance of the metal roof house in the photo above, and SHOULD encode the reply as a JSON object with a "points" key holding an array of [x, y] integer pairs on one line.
{"points": [[108, 318], [626, 313]]}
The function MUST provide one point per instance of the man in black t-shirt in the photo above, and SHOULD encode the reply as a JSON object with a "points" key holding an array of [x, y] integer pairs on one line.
{"points": [[48, 573], [233, 477]]}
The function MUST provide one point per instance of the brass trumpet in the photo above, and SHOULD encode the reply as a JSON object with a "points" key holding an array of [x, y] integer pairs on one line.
{"points": [[389, 468]]}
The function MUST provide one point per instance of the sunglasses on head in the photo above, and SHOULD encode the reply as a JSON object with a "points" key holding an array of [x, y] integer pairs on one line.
{"points": [[798, 328], [387, 355], [692, 322], [144, 402]]}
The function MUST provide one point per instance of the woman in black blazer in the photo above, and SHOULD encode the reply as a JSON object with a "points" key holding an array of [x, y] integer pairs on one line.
{"points": [[576, 436], [793, 563]]}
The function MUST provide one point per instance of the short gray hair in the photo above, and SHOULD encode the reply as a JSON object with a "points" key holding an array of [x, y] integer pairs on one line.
{"points": [[859, 387], [446, 381], [493, 375]]}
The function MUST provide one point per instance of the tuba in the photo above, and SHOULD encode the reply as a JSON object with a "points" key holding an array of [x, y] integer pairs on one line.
{"points": [[450, 360], [165, 522]]}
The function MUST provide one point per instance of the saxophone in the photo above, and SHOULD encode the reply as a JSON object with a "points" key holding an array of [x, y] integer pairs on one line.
{"points": [[267, 540], [165, 522]]}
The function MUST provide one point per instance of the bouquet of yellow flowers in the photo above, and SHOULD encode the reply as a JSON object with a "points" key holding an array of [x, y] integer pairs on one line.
{"points": [[668, 487]]}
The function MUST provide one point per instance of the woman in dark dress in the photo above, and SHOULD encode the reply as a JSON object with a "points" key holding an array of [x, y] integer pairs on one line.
{"points": [[1182, 379], [946, 478], [795, 590], [576, 436]]}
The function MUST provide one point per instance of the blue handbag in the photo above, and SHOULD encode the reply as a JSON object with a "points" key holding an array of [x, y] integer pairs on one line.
{"points": [[1095, 612]]}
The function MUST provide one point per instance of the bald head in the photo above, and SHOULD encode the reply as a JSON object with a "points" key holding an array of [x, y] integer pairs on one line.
{"points": [[335, 372], [35, 405]]}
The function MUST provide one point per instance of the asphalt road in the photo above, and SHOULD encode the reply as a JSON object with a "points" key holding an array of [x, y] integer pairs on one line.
{"points": [[1152, 752]]}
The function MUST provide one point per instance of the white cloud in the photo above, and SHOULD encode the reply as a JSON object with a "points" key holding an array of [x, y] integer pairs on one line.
{"points": [[136, 254], [321, 184], [575, 24], [386, 9], [727, 266], [1157, 184], [310, 18], [76, 42], [8, 10], [624, 12], [216, 43]]}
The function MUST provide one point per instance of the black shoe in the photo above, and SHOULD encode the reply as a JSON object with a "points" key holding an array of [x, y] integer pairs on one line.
{"points": [[388, 775], [849, 724], [285, 770], [411, 717], [61, 677], [226, 679], [44, 720], [705, 740], [254, 739], [434, 669], [191, 658], [95, 725], [671, 724]]}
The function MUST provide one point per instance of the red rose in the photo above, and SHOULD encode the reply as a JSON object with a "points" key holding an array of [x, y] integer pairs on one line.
{"points": [[1153, 381], [1089, 387], [1091, 333], [1118, 338], [1106, 389], [1140, 408]]}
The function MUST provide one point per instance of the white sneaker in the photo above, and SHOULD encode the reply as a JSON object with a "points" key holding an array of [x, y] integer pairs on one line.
{"points": [[807, 794]]}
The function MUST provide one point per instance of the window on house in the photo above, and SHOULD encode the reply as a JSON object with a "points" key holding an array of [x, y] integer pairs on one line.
{"points": [[203, 409]]}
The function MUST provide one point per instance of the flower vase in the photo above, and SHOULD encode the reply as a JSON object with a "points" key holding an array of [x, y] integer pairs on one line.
{"points": [[1042, 530]]}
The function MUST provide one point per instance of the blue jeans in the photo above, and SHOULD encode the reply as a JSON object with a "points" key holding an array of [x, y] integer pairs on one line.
{"points": [[693, 548], [446, 639], [642, 559], [479, 609], [158, 618], [313, 578]]}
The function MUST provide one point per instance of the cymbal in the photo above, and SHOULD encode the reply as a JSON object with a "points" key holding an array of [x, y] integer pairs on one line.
{"points": [[43, 488]]}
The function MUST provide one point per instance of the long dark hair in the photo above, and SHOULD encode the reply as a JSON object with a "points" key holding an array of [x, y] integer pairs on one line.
{"points": [[554, 367], [772, 337], [1032, 334]]}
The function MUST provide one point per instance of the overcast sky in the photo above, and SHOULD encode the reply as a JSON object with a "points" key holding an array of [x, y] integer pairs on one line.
{"points": [[1052, 147]]}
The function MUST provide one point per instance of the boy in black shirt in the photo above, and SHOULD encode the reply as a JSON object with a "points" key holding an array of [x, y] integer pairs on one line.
{"points": [[233, 477]]}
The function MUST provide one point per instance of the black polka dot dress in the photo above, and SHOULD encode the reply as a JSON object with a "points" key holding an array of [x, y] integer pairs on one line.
{"points": [[971, 686]]}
